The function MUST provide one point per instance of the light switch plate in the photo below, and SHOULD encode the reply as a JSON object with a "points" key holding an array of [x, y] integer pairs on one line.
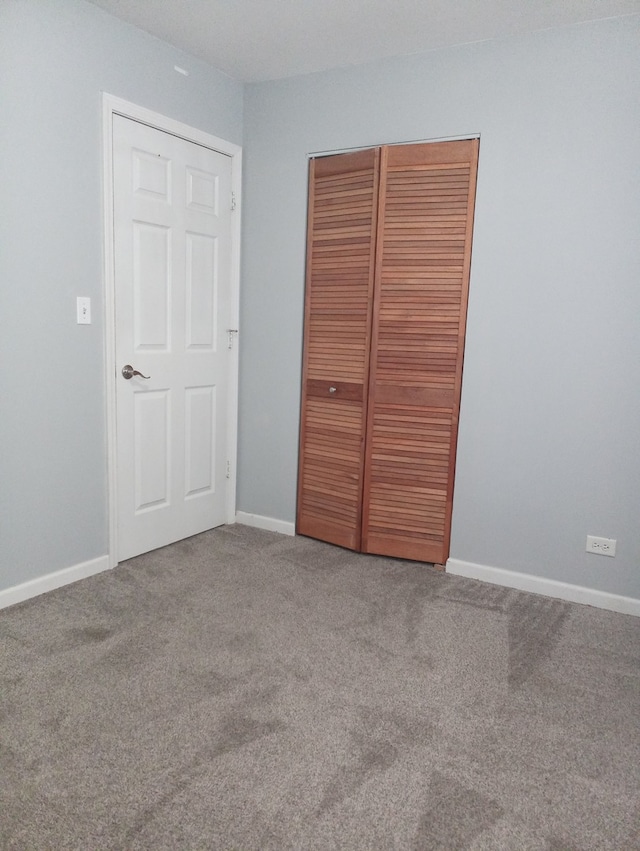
{"points": [[83, 307]]}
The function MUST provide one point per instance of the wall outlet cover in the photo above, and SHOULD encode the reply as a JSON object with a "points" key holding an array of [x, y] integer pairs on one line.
{"points": [[601, 546]]}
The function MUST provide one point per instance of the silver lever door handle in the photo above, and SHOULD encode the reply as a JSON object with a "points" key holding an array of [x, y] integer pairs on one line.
{"points": [[128, 371]]}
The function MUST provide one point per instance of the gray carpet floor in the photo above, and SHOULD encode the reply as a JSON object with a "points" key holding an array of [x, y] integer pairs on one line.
{"points": [[247, 690]]}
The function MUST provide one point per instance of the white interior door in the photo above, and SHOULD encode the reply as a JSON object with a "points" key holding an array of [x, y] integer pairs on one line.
{"points": [[172, 266]]}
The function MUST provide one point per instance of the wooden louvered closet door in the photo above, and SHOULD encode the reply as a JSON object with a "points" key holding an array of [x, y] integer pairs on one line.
{"points": [[343, 198], [407, 410], [422, 275]]}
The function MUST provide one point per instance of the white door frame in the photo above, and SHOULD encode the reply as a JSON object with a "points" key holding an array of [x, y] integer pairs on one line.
{"points": [[111, 106]]}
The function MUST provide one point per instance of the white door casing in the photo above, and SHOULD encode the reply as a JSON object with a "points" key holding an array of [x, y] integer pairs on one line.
{"points": [[174, 294]]}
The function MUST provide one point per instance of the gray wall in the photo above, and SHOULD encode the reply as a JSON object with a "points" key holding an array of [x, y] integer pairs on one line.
{"points": [[548, 447], [56, 57], [550, 418]]}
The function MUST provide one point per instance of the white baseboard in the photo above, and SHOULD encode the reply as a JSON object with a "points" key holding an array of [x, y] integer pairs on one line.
{"points": [[547, 587], [268, 523], [35, 587]]}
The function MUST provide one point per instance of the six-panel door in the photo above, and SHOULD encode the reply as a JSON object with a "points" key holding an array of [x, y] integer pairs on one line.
{"points": [[172, 271]]}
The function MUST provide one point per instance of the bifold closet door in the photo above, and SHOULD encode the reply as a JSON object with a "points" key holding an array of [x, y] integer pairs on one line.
{"points": [[342, 216], [427, 195], [388, 257]]}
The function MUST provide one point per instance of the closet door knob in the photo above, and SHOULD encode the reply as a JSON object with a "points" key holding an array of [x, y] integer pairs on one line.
{"points": [[332, 389]]}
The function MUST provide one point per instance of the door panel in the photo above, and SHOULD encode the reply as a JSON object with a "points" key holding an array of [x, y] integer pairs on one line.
{"points": [[151, 412], [172, 237], [151, 286], [422, 275], [340, 253], [200, 461], [201, 295]]}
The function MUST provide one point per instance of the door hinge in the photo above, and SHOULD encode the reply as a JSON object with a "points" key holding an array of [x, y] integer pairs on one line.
{"points": [[228, 469], [233, 201], [231, 332]]}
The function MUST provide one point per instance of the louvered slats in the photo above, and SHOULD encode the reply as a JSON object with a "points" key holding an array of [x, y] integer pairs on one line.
{"points": [[424, 239], [340, 251], [396, 367]]}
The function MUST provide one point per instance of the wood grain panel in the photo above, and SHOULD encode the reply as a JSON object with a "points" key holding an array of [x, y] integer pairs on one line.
{"points": [[426, 203], [341, 235]]}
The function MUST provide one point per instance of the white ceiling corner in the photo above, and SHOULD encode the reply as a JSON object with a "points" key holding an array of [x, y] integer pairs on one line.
{"points": [[257, 40]]}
